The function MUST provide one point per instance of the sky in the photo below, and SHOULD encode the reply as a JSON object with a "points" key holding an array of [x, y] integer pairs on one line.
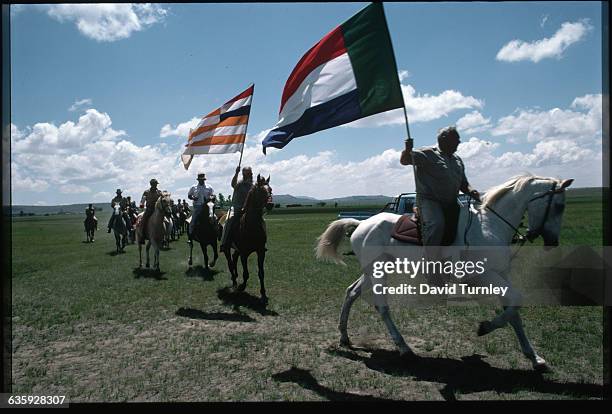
{"points": [[103, 95]]}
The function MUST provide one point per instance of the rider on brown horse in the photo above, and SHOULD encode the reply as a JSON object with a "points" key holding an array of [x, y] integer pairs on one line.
{"points": [[241, 189]]}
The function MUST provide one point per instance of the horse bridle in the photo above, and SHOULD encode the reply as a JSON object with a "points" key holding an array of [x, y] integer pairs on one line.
{"points": [[531, 235]]}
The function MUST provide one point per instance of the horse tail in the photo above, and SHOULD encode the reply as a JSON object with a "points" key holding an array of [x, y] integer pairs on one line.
{"points": [[328, 242]]}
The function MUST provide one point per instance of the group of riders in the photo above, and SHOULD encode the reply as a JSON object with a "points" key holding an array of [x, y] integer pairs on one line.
{"points": [[439, 177], [200, 195]]}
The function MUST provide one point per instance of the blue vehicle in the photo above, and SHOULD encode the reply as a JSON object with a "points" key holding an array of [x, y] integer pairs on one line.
{"points": [[402, 204]]}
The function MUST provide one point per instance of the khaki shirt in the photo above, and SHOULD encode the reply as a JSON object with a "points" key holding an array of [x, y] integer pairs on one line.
{"points": [[438, 176], [149, 198], [240, 194]]}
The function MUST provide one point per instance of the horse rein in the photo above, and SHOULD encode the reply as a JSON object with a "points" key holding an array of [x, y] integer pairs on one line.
{"points": [[531, 234]]}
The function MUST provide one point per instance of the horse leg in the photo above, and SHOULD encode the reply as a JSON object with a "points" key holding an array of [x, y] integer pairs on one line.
{"points": [[230, 266], [537, 361], [156, 257], [403, 348], [205, 254], [261, 257], [352, 293], [148, 247], [190, 254], [215, 254], [139, 254], [244, 259]]}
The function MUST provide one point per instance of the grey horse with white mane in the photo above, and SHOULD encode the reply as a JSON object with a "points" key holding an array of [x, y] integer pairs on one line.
{"points": [[542, 198]]}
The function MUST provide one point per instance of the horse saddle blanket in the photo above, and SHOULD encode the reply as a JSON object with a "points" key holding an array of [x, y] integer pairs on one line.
{"points": [[407, 230]]}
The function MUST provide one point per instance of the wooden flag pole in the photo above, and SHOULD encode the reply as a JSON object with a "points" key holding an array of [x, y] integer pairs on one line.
{"points": [[242, 149]]}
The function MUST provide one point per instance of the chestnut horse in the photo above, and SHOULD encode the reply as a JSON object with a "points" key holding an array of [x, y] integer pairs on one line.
{"points": [[249, 235]]}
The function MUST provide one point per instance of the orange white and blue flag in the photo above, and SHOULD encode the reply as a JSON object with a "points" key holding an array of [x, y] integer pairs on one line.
{"points": [[222, 131]]}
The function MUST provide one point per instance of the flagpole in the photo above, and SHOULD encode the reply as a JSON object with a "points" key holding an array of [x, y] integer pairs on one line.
{"points": [[404, 105], [242, 149]]}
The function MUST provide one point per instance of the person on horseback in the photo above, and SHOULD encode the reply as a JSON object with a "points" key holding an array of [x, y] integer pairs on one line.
{"points": [[90, 213], [241, 189], [201, 194], [149, 197], [119, 199], [439, 176]]}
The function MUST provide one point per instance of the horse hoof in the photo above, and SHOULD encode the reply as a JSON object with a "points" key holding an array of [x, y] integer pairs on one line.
{"points": [[484, 328], [345, 342], [264, 300], [190, 263], [147, 266], [241, 287]]}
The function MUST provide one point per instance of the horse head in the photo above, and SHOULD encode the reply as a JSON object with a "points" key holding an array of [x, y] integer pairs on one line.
{"points": [[163, 203], [545, 211], [542, 198], [263, 192]]}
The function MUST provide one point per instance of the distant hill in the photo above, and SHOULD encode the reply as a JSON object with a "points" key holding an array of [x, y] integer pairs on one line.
{"points": [[61, 209], [283, 200]]}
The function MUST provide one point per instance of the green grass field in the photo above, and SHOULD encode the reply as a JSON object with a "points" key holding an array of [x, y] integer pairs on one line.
{"points": [[89, 325]]}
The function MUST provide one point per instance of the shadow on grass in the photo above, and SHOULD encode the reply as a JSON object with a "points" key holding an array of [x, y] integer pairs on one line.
{"points": [[115, 253], [305, 379], [214, 316], [201, 272], [236, 299], [148, 274], [469, 375]]}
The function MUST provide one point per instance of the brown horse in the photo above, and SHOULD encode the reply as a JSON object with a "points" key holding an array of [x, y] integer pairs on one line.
{"points": [[155, 230], [249, 235]]}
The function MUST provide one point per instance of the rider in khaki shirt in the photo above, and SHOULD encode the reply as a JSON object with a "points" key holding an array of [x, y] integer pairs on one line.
{"points": [[439, 176]]}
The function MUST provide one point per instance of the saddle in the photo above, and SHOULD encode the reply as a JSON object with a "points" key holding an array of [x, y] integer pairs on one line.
{"points": [[407, 230]]}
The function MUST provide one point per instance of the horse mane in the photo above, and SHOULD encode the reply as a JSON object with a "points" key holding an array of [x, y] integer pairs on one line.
{"points": [[514, 184]]}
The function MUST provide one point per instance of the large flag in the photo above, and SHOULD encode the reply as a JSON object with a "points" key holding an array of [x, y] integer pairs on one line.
{"points": [[223, 130], [350, 74]]}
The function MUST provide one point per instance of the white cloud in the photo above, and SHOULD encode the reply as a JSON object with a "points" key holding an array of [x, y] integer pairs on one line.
{"points": [[69, 137], [77, 105], [473, 122], [421, 108], [581, 123], [89, 159], [403, 75], [108, 22], [74, 189], [552, 47], [181, 130]]}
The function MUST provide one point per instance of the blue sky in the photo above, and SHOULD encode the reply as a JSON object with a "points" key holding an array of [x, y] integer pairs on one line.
{"points": [[102, 96]]}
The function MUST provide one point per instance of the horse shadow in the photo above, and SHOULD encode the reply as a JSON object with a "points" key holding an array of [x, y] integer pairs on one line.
{"points": [[115, 253], [471, 374], [214, 316], [237, 299], [202, 272], [305, 379], [145, 273]]}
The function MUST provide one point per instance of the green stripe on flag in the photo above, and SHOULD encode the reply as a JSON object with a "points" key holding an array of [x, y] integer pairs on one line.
{"points": [[367, 40]]}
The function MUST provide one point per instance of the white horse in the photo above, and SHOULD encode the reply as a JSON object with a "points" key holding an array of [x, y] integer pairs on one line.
{"points": [[156, 229], [542, 198]]}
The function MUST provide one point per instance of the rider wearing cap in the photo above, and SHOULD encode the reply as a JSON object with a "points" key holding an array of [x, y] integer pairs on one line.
{"points": [[149, 198], [200, 194], [119, 199]]}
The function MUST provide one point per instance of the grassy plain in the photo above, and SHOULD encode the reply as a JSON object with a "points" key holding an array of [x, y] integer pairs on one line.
{"points": [[89, 325]]}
